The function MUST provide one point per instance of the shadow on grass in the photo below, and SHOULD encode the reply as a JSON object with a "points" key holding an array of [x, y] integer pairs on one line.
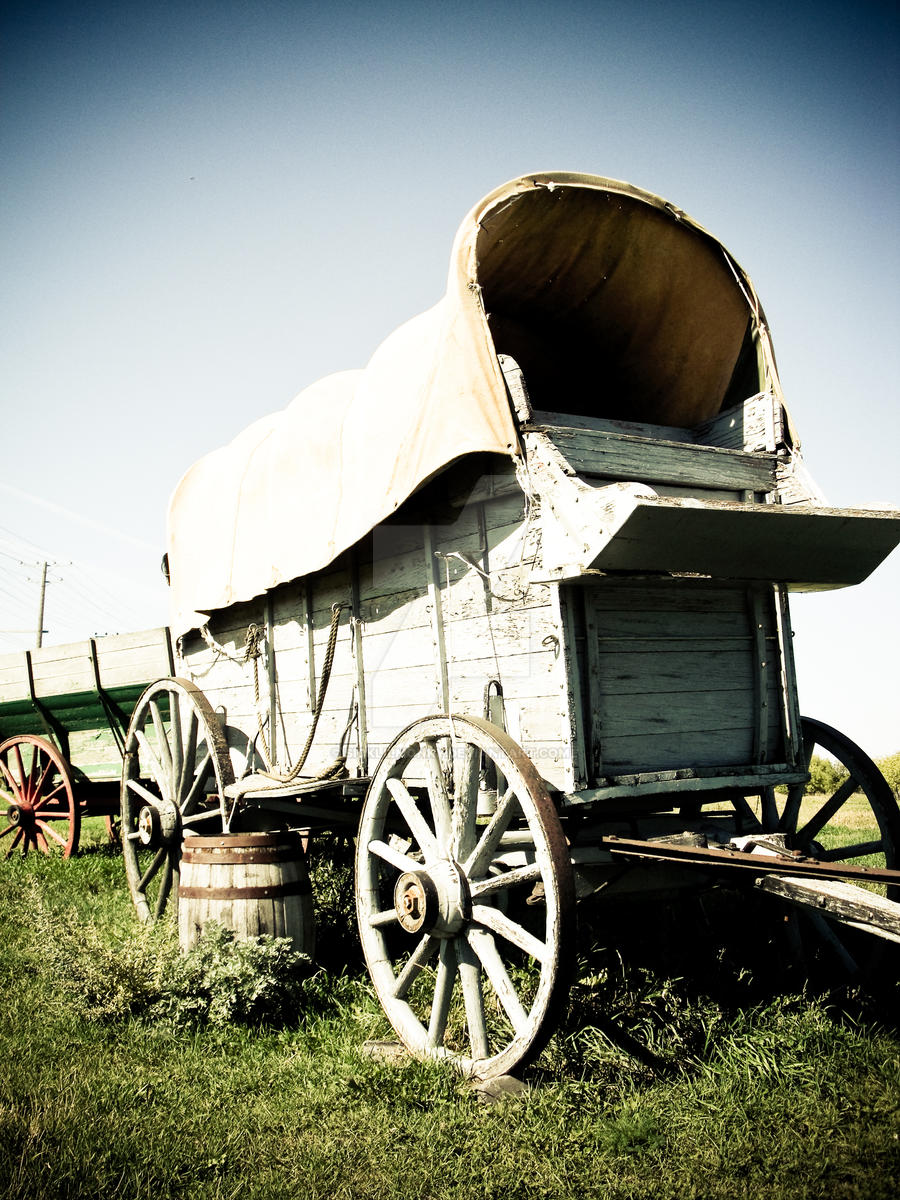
{"points": [[657, 982]]}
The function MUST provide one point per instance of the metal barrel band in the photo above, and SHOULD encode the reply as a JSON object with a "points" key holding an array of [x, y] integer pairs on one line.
{"points": [[253, 857], [276, 891]]}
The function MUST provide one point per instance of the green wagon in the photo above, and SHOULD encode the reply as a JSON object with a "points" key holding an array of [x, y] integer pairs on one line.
{"points": [[63, 715]]}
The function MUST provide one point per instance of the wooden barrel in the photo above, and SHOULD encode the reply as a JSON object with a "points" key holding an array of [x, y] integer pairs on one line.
{"points": [[252, 884]]}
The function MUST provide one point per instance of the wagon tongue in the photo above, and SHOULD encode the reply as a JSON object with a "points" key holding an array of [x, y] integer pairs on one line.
{"points": [[732, 857]]}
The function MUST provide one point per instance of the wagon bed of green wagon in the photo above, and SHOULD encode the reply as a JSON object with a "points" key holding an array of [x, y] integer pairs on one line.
{"points": [[63, 713]]}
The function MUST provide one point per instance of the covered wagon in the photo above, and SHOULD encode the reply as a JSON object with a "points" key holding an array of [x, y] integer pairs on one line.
{"points": [[509, 609]]}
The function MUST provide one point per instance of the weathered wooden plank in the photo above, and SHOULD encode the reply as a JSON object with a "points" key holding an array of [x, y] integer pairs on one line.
{"points": [[674, 627], [642, 751], [755, 425], [592, 452], [714, 669], [13, 679], [125, 643], [805, 548], [542, 419], [676, 712], [668, 595], [839, 901]]}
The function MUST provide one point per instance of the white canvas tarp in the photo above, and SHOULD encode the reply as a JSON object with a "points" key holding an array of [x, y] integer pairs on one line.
{"points": [[613, 302]]}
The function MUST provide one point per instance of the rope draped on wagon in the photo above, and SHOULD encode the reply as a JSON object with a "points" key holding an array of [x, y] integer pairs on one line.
{"points": [[252, 652]]}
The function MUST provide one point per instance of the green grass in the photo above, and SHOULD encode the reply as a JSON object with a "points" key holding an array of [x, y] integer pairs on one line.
{"points": [[683, 1070]]}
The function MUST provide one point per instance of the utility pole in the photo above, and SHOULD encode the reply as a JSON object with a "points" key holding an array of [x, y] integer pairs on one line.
{"points": [[40, 624]]}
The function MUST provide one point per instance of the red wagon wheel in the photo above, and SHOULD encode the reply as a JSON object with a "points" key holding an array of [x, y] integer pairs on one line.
{"points": [[36, 783]]}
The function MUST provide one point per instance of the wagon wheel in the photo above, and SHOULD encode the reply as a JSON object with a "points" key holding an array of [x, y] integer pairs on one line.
{"points": [[858, 823], [36, 783], [466, 921], [176, 767]]}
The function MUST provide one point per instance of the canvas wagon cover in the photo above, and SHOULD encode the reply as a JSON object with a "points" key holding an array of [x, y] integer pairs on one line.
{"points": [[614, 303]]}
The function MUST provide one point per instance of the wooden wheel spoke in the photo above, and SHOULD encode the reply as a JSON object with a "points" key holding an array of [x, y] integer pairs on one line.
{"points": [[416, 823], [477, 862], [157, 862], [195, 818], [43, 799], [769, 808], [190, 750], [443, 992], [387, 916], [39, 786], [177, 742], [506, 879], [791, 812], [153, 763], [389, 855], [413, 965], [8, 829], [135, 785], [437, 793], [473, 999], [48, 829], [510, 931], [747, 817], [465, 809], [165, 887], [858, 850], [482, 942], [23, 777], [15, 841], [198, 787], [162, 738], [40, 840], [820, 819]]}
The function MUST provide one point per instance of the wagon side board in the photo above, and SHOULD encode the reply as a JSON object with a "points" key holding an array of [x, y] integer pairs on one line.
{"points": [[434, 613], [81, 694]]}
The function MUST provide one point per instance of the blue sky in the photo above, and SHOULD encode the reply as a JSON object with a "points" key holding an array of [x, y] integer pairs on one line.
{"points": [[206, 207]]}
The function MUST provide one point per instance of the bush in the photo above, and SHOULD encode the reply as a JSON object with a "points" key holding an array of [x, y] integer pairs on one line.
{"points": [[890, 769], [223, 981], [142, 974], [825, 776]]}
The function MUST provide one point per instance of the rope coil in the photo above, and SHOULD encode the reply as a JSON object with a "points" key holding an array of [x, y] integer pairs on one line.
{"points": [[252, 652]]}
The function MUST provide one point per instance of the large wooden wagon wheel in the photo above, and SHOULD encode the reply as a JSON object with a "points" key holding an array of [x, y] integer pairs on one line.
{"points": [[466, 920], [36, 785], [176, 767], [857, 823]]}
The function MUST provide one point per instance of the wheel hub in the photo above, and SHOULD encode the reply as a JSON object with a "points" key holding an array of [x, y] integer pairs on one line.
{"points": [[18, 814], [435, 901], [157, 824]]}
